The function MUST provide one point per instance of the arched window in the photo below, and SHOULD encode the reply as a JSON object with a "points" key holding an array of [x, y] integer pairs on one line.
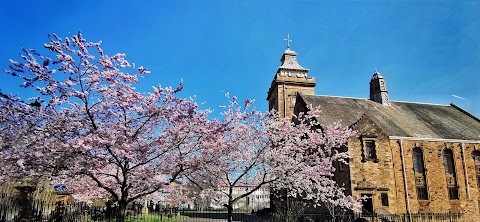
{"points": [[476, 158], [419, 169], [450, 173]]}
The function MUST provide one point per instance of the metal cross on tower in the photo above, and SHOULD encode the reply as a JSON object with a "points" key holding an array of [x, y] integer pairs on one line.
{"points": [[288, 40]]}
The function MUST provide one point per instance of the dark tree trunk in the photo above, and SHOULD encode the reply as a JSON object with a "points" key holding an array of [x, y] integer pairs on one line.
{"points": [[120, 211], [25, 202], [229, 207]]}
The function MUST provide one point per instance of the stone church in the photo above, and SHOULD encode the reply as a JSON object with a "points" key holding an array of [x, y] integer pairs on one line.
{"points": [[407, 157]]}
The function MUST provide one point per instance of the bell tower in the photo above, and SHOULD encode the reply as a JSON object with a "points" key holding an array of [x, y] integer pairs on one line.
{"points": [[290, 79], [378, 89]]}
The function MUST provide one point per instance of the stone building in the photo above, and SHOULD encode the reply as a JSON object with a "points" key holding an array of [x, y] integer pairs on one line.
{"points": [[407, 157]]}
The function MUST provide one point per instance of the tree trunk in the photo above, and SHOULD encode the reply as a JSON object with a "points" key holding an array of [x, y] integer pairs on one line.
{"points": [[25, 202], [120, 211], [230, 212]]}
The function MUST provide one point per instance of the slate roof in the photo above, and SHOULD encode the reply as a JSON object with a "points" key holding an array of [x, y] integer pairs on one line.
{"points": [[405, 119]]}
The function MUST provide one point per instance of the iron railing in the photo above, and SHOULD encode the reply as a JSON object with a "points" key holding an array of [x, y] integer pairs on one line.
{"points": [[42, 211]]}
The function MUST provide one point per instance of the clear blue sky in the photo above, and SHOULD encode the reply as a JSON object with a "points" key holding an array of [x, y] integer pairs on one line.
{"points": [[427, 50]]}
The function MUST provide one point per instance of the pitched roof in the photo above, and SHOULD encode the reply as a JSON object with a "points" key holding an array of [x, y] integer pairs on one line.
{"points": [[404, 119]]}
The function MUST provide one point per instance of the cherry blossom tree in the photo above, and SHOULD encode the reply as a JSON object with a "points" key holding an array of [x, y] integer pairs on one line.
{"points": [[89, 128], [259, 150]]}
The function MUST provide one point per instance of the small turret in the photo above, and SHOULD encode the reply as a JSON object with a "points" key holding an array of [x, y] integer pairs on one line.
{"points": [[378, 89]]}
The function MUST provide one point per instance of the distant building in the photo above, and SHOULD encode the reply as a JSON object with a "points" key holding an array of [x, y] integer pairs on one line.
{"points": [[257, 200], [407, 157]]}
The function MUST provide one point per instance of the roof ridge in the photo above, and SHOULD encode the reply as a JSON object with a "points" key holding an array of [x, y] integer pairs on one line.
{"points": [[346, 97], [423, 103], [398, 101], [465, 112]]}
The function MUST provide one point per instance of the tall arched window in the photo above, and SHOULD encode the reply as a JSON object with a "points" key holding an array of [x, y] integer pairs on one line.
{"points": [[450, 173], [419, 169], [476, 158]]}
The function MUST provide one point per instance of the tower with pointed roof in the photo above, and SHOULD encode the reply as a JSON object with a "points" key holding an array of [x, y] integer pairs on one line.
{"points": [[290, 79], [378, 89]]}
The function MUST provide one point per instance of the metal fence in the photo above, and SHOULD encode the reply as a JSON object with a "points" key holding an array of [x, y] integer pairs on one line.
{"points": [[41, 211], [421, 217]]}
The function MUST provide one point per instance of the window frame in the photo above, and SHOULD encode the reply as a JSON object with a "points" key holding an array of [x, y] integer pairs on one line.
{"points": [[384, 199], [369, 154], [450, 174], [292, 100], [421, 189], [476, 161]]}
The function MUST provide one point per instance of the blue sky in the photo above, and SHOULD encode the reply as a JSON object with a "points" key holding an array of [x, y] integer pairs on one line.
{"points": [[427, 50]]}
